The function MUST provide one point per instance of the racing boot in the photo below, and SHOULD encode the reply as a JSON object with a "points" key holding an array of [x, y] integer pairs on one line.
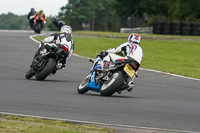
{"points": [[61, 64]]}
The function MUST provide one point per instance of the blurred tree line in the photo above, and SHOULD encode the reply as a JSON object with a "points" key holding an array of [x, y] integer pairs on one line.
{"points": [[90, 15], [12, 21], [160, 10], [110, 15]]}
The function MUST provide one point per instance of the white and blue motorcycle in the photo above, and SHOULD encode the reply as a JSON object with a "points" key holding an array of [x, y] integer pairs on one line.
{"points": [[108, 77]]}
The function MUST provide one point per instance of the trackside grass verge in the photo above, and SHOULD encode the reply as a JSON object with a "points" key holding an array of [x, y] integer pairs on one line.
{"points": [[177, 57], [144, 36], [16, 124]]}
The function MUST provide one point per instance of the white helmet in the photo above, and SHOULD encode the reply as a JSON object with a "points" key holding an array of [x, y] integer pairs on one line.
{"points": [[134, 38], [66, 29]]}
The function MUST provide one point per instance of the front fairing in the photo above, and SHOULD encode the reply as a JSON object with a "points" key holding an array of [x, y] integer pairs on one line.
{"points": [[92, 83], [96, 65]]}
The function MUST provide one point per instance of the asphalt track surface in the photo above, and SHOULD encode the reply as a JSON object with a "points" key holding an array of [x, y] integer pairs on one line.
{"points": [[158, 100]]}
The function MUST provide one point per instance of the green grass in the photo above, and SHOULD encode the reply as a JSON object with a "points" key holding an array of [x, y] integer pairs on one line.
{"points": [[15, 124], [177, 57], [181, 58], [144, 36]]}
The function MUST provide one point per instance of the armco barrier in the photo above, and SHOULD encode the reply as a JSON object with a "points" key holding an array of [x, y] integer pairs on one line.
{"points": [[148, 30], [176, 28]]}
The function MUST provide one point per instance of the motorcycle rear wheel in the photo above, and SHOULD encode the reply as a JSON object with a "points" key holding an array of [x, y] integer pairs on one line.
{"points": [[48, 68], [113, 85], [82, 88]]}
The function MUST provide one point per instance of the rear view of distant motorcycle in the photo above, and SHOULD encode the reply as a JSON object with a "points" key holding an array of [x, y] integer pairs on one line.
{"points": [[47, 63], [52, 54], [39, 21], [38, 26]]}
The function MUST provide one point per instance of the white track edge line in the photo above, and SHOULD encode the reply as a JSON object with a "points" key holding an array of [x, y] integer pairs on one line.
{"points": [[180, 76], [96, 123], [31, 37]]}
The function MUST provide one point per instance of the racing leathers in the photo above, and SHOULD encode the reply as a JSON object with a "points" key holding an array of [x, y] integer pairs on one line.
{"points": [[58, 39], [131, 51], [40, 16], [30, 17]]}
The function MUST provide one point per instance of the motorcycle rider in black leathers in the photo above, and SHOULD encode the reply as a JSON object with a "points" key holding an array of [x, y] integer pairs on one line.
{"points": [[30, 17]]}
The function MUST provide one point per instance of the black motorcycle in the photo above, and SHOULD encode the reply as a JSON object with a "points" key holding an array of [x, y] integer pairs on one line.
{"points": [[45, 64], [38, 26], [113, 77]]}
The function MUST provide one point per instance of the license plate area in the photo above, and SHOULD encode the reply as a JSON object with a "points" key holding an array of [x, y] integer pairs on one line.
{"points": [[129, 70]]}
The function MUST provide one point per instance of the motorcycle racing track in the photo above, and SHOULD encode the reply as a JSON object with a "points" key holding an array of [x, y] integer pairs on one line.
{"points": [[158, 101]]}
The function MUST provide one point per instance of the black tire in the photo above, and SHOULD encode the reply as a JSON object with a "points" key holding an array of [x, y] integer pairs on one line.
{"points": [[38, 28], [82, 88], [113, 85], [166, 28], [157, 28], [166, 25], [29, 74], [176, 25], [186, 32], [195, 33], [166, 32], [46, 70], [156, 31], [176, 32]]}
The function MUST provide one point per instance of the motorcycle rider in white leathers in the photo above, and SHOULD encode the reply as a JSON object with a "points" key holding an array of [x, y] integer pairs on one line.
{"points": [[62, 38], [132, 50]]}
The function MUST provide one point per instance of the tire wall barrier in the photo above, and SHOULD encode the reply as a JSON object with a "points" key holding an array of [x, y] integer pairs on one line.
{"points": [[176, 28]]}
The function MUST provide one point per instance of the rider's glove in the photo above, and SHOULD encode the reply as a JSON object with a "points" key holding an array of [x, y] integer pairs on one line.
{"points": [[42, 42], [103, 54]]}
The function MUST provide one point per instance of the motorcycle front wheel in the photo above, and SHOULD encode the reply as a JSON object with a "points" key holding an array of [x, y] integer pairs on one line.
{"points": [[29, 74], [82, 88], [113, 85]]}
